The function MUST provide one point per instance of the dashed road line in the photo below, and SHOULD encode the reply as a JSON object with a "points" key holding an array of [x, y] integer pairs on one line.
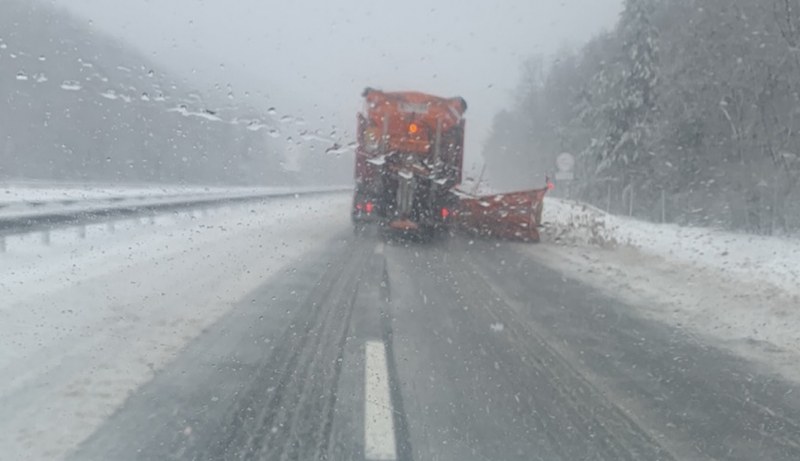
{"points": [[379, 436]]}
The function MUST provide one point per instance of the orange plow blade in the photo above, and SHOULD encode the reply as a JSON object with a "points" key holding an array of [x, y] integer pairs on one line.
{"points": [[513, 216]]}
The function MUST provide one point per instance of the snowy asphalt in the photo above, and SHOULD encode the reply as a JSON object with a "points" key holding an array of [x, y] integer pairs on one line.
{"points": [[455, 350]]}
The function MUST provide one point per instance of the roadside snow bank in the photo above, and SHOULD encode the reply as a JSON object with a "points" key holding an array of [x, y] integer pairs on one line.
{"points": [[22, 200], [773, 260], [42, 192], [734, 291]]}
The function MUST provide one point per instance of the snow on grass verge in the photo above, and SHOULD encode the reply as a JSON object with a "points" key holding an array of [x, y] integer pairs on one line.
{"points": [[774, 260], [735, 291]]}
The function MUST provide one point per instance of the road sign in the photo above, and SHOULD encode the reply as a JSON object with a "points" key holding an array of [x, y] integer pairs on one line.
{"points": [[565, 162]]}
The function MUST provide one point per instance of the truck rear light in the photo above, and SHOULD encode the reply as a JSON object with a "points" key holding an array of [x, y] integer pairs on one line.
{"points": [[445, 213], [369, 207]]}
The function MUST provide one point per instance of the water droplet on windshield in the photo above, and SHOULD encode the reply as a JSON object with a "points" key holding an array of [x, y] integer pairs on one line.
{"points": [[151, 73], [22, 76], [3, 46], [286, 119], [42, 58], [273, 133], [71, 85], [272, 111], [145, 97], [108, 159], [255, 125]]}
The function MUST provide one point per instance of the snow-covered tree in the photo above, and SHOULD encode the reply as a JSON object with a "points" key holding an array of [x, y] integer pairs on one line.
{"points": [[696, 98], [627, 89]]}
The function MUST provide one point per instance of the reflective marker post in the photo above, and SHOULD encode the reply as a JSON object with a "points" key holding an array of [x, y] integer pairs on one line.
{"points": [[567, 177], [566, 163]]}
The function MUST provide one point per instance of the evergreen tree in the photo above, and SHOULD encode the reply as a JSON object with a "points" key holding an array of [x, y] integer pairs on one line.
{"points": [[627, 89]]}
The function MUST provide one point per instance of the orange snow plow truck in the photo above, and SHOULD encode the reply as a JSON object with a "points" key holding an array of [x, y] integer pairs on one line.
{"points": [[409, 161]]}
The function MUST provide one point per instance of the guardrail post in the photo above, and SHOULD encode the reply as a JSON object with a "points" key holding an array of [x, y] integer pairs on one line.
{"points": [[82, 231], [2, 243], [46, 237]]}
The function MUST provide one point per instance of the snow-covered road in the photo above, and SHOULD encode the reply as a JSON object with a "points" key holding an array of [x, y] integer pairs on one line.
{"points": [[84, 322], [241, 330]]}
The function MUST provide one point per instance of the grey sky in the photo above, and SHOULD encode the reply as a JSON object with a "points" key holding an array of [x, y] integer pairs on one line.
{"points": [[313, 58]]}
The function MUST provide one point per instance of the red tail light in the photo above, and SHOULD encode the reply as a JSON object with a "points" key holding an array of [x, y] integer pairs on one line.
{"points": [[445, 213], [369, 207]]}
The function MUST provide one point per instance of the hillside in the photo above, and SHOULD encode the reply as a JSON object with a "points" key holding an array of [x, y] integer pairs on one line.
{"points": [[78, 105]]}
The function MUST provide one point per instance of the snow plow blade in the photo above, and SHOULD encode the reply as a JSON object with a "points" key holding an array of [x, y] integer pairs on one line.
{"points": [[512, 216]]}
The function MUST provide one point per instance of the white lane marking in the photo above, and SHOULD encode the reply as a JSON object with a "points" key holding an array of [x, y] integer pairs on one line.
{"points": [[379, 441], [379, 249]]}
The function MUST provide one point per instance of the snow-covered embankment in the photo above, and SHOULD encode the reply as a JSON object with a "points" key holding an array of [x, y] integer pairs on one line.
{"points": [[739, 291]]}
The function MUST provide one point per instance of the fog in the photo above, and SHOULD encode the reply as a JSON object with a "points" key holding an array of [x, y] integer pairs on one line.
{"points": [[313, 58]]}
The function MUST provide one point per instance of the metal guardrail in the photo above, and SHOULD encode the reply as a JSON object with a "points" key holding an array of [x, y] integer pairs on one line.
{"points": [[21, 224]]}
